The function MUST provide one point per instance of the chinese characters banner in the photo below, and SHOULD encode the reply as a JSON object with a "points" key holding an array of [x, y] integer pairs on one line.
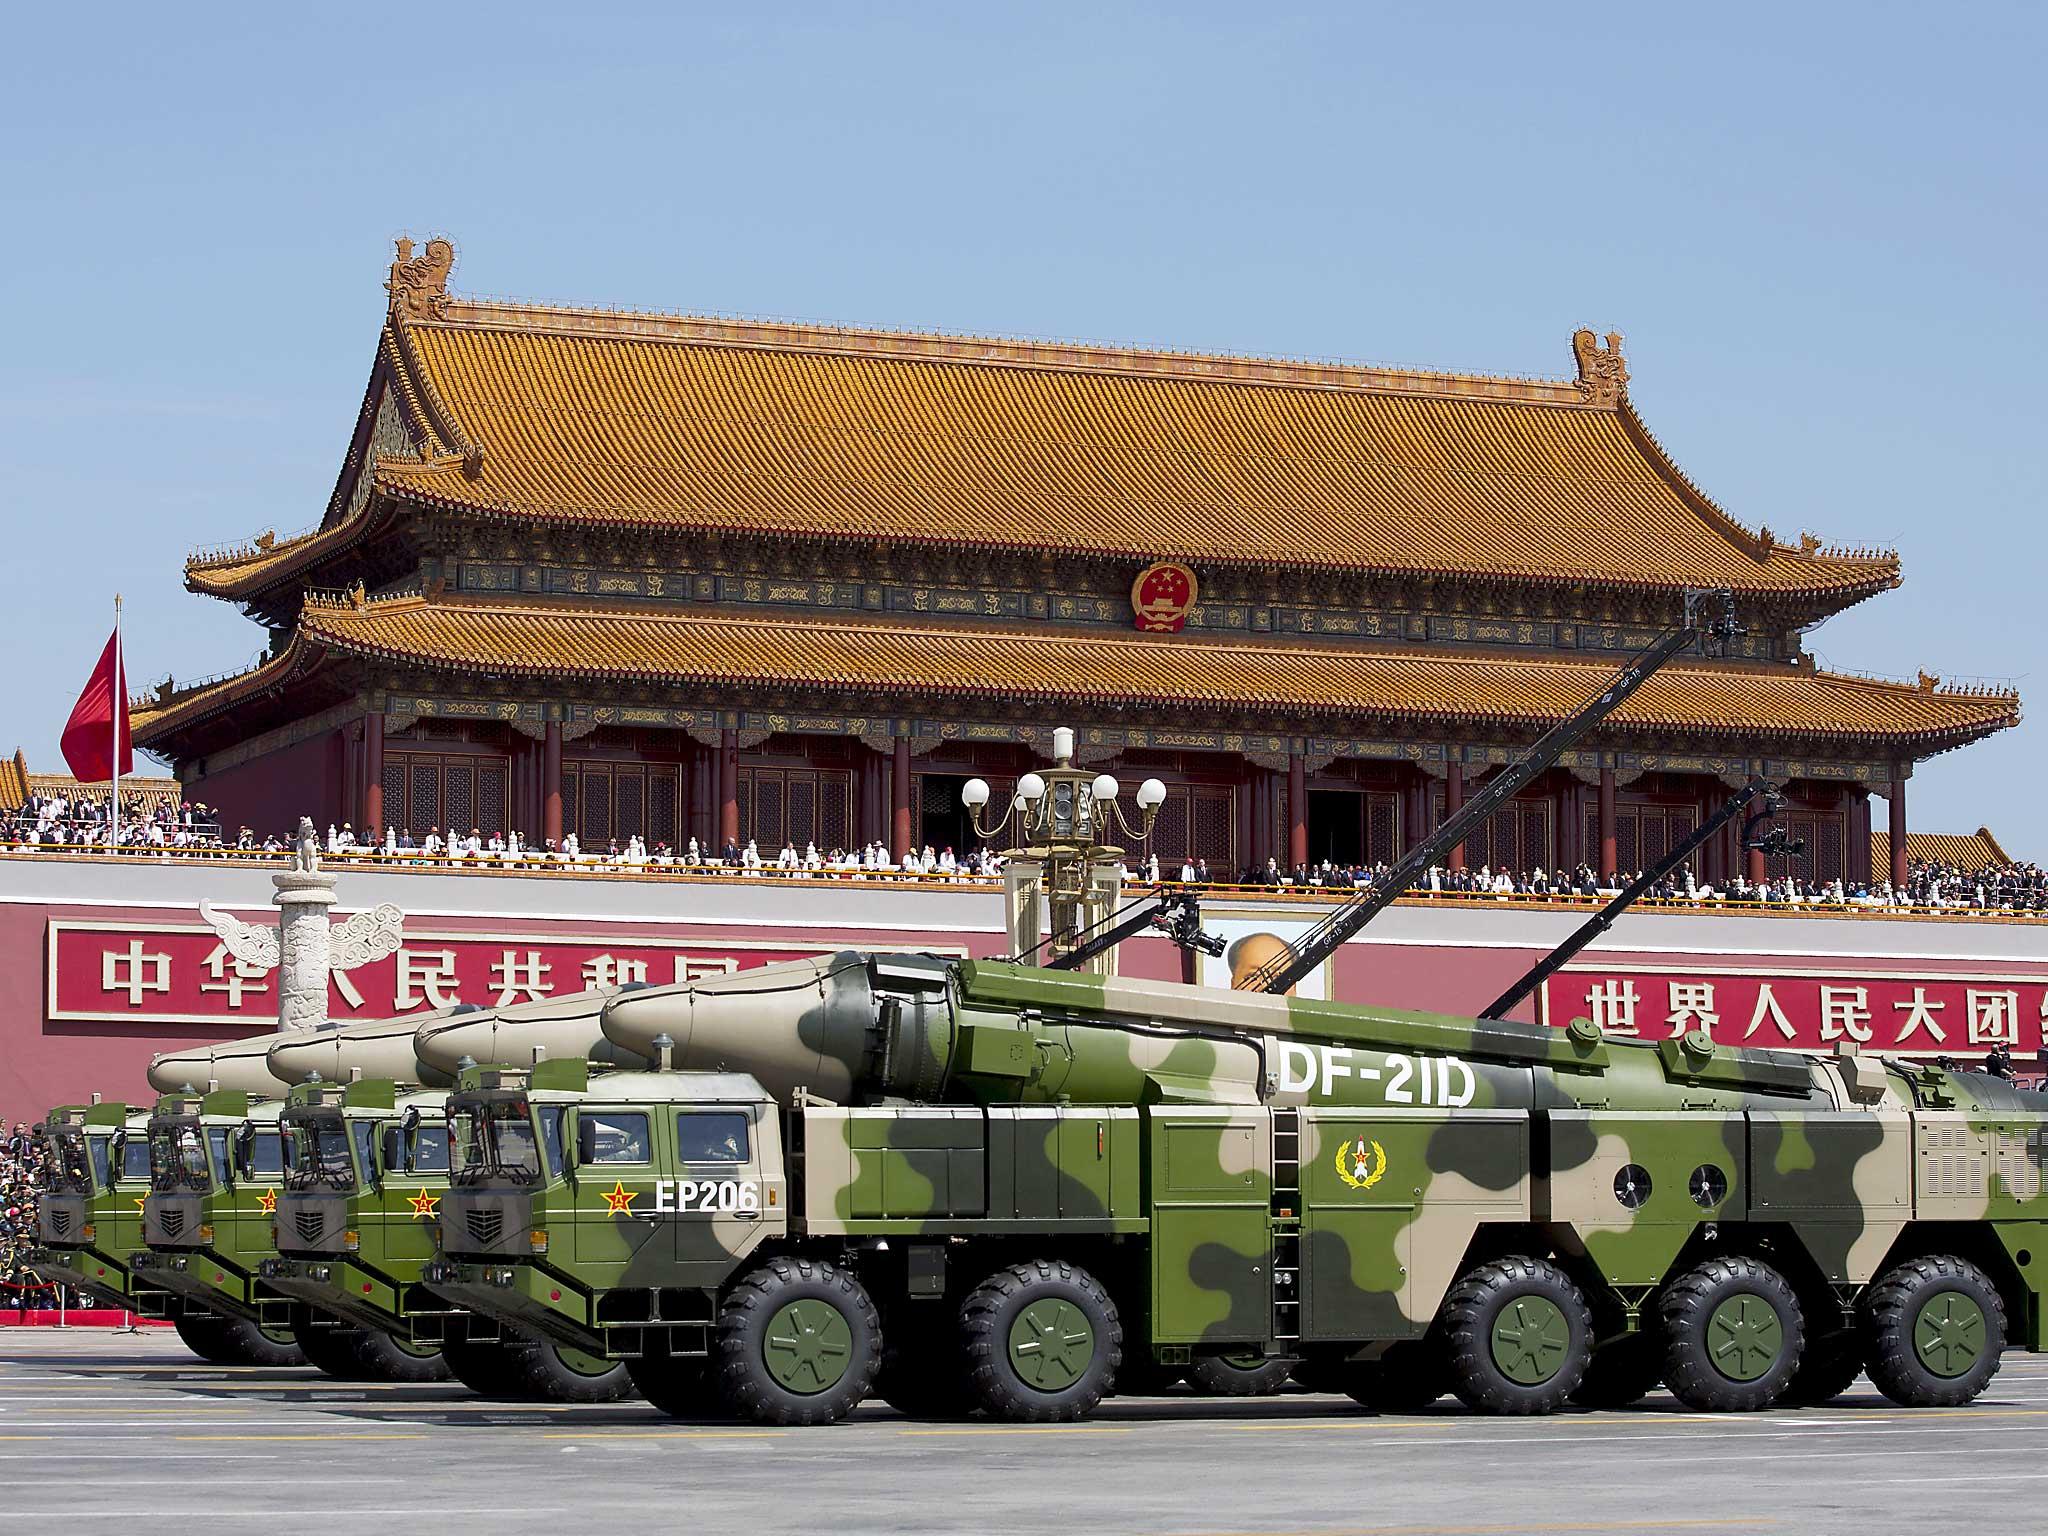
{"points": [[1925, 1015], [176, 974]]}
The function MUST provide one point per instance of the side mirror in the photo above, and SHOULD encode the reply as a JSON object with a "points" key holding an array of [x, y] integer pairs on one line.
{"points": [[572, 1133], [409, 1136], [244, 1148]]}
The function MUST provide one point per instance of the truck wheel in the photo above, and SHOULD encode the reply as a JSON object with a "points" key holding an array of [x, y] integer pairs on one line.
{"points": [[554, 1373], [488, 1368], [1406, 1379], [1042, 1341], [201, 1333], [330, 1349], [1517, 1337], [1240, 1375], [1934, 1329], [232, 1341], [380, 1356], [922, 1374], [1829, 1368], [798, 1342], [681, 1386], [1733, 1335], [1623, 1372]]}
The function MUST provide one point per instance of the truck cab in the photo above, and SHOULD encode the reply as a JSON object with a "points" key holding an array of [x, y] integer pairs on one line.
{"points": [[365, 1168], [608, 1211], [90, 1216], [216, 1171]]}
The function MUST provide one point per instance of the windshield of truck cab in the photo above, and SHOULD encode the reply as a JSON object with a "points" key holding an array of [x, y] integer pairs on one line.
{"points": [[494, 1138], [177, 1157], [266, 1155], [429, 1149], [319, 1157], [75, 1168], [135, 1157]]}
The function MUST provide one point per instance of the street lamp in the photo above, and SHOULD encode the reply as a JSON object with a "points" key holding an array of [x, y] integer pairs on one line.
{"points": [[1062, 818]]}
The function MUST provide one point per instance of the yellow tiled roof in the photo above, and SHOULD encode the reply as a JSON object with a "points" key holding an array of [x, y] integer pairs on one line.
{"points": [[943, 662], [745, 426], [13, 779], [529, 411], [1969, 852]]}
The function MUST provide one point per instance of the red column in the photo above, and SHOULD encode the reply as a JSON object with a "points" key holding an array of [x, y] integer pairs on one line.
{"points": [[372, 831], [1899, 869], [1297, 809], [1610, 843], [899, 822], [728, 787], [1454, 801], [551, 784]]}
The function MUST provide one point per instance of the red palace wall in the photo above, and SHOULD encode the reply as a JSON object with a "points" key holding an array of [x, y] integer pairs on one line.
{"points": [[270, 793], [102, 965]]}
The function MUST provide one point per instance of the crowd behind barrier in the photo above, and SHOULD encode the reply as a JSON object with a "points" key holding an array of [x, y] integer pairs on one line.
{"points": [[193, 830], [23, 1175]]}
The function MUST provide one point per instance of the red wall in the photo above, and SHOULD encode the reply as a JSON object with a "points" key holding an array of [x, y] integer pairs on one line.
{"points": [[270, 793]]}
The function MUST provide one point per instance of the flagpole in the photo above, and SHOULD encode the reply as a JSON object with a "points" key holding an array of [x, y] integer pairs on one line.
{"points": [[120, 708]]}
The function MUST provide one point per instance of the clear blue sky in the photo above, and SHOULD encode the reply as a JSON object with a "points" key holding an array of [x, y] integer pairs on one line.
{"points": [[1820, 228]]}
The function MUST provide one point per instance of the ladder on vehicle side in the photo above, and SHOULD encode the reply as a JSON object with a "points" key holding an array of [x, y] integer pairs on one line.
{"points": [[1286, 1225]]}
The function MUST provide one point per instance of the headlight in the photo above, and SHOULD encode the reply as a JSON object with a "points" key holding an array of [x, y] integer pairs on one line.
{"points": [[350, 1242], [537, 1240], [89, 1231], [206, 1232]]}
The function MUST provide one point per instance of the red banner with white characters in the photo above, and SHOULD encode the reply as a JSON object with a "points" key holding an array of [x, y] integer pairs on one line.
{"points": [[1927, 1015], [183, 974]]}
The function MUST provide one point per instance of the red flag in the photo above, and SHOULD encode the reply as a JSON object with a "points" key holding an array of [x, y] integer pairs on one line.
{"points": [[90, 733]]}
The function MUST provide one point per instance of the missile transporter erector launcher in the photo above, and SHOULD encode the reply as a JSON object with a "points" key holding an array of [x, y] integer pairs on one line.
{"points": [[979, 1185], [216, 1165], [89, 1215], [366, 1172]]}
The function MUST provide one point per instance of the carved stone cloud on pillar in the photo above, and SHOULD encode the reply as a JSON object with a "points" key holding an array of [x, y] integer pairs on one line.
{"points": [[305, 949]]}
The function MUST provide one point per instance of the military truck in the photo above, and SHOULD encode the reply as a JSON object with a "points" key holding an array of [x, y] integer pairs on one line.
{"points": [[366, 1171], [89, 1219], [980, 1185], [216, 1165]]}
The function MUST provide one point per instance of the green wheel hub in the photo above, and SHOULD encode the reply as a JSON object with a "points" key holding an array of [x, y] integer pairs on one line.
{"points": [[1745, 1336], [579, 1362], [1051, 1344], [278, 1334], [809, 1346], [1948, 1335], [417, 1351], [1531, 1338]]}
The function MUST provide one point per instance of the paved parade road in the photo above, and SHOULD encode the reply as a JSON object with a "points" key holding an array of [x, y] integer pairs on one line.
{"points": [[100, 1429]]}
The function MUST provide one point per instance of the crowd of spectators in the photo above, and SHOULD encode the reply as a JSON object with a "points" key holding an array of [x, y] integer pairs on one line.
{"points": [[81, 823], [21, 1177]]}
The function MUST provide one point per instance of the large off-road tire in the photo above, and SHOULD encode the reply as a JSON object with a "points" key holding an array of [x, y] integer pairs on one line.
{"points": [[1623, 1371], [554, 1373], [1406, 1379], [681, 1386], [223, 1340], [330, 1348], [922, 1374], [798, 1342], [1733, 1335], [1933, 1331], [1043, 1342], [489, 1368], [1240, 1375], [1829, 1368], [381, 1356], [1517, 1337], [203, 1335]]}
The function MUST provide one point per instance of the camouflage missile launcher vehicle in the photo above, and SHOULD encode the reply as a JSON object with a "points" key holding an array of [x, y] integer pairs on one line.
{"points": [[366, 1171], [89, 1220], [363, 1173], [980, 1185], [216, 1167]]}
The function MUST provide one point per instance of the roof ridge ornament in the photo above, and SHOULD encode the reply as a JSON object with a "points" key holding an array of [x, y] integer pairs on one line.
{"points": [[1603, 372], [418, 285]]}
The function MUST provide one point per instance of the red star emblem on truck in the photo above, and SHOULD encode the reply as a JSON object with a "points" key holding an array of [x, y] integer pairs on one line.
{"points": [[620, 1201], [267, 1202], [423, 1204]]}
